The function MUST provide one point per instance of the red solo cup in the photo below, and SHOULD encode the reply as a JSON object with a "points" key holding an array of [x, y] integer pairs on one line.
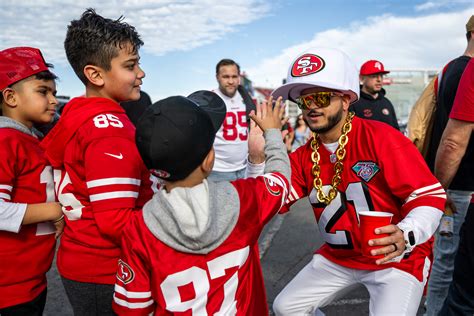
{"points": [[368, 222]]}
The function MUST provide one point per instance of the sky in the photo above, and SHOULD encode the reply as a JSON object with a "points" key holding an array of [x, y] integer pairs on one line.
{"points": [[184, 39]]}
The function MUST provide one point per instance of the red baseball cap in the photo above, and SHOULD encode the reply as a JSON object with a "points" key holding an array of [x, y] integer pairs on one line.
{"points": [[18, 63], [372, 67]]}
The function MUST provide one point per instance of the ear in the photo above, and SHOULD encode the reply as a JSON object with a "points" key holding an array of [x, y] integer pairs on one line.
{"points": [[94, 75], [361, 79], [10, 97], [346, 102], [208, 162]]}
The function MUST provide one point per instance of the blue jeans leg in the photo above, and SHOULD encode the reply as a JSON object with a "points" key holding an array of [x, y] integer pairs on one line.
{"points": [[444, 253], [218, 176], [460, 300]]}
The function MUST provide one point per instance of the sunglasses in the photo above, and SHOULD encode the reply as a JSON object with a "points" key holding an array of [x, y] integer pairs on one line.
{"points": [[320, 99]]}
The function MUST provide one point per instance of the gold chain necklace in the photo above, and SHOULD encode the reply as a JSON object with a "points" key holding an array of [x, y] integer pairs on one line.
{"points": [[338, 166]]}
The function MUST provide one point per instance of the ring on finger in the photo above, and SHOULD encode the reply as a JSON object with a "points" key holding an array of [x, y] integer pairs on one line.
{"points": [[396, 248]]}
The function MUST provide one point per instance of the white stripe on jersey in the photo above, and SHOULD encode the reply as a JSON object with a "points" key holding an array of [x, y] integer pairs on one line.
{"points": [[123, 291], [111, 181], [113, 195], [427, 188], [132, 305], [435, 190], [6, 187], [5, 196], [292, 196], [293, 192]]}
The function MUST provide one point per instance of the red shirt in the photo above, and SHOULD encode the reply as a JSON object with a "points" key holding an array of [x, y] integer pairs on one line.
{"points": [[26, 256], [463, 107], [383, 171], [101, 181], [153, 277]]}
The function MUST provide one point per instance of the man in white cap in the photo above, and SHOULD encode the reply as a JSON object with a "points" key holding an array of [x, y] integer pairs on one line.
{"points": [[373, 105], [353, 165]]}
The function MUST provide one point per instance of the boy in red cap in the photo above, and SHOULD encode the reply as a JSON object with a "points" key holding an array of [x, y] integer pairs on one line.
{"points": [[28, 211], [373, 105], [100, 177]]}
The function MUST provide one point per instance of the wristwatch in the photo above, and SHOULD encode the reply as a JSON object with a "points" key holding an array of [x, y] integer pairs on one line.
{"points": [[410, 242]]}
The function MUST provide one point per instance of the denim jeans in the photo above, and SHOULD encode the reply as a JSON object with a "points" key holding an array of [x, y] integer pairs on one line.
{"points": [[444, 253], [218, 176], [460, 300]]}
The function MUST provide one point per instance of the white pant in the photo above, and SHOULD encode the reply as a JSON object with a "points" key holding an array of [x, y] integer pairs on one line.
{"points": [[392, 291]]}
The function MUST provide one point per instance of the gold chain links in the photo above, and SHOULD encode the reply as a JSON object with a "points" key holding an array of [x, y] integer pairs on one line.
{"points": [[338, 166]]}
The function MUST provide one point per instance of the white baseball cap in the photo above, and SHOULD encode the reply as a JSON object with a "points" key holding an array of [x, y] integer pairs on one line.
{"points": [[320, 67]]}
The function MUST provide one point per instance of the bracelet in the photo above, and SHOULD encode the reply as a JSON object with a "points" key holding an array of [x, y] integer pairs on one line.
{"points": [[59, 219]]}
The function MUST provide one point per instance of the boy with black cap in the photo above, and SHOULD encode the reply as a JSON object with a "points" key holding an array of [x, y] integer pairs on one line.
{"points": [[28, 211], [194, 247]]}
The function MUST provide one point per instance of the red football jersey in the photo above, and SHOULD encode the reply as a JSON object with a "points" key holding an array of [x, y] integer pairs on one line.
{"points": [[101, 181], [26, 256], [153, 277], [383, 171]]}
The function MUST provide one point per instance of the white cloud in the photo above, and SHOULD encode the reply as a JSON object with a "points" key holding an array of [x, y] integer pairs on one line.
{"points": [[431, 5], [165, 25], [423, 42]]}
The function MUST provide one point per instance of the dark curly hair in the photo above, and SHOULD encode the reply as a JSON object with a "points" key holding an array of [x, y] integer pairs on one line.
{"points": [[95, 40]]}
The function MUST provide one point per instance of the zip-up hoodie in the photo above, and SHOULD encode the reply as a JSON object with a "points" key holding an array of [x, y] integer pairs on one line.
{"points": [[378, 109]]}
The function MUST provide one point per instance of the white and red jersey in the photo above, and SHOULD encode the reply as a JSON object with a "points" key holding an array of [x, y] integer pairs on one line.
{"points": [[154, 277], [231, 143], [382, 171], [101, 182], [26, 256]]}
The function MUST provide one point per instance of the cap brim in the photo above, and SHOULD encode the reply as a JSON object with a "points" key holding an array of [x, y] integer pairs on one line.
{"points": [[291, 91], [376, 73], [213, 105]]}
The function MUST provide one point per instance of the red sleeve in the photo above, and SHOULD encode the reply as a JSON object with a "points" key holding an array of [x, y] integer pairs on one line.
{"points": [[133, 285], [408, 176], [269, 190], [298, 185], [463, 106], [113, 176]]}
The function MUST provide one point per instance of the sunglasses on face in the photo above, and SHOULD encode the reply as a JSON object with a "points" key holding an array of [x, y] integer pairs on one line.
{"points": [[320, 99]]}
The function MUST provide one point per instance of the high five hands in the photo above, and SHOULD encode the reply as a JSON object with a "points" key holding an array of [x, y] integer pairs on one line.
{"points": [[269, 114]]}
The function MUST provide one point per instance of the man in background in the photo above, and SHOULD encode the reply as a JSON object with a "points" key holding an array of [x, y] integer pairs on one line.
{"points": [[231, 143], [373, 104], [461, 183]]}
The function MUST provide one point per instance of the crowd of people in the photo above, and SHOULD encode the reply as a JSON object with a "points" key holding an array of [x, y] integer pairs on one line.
{"points": [[159, 206]]}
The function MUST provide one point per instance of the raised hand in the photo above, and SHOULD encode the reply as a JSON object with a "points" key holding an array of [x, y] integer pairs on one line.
{"points": [[269, 116]]}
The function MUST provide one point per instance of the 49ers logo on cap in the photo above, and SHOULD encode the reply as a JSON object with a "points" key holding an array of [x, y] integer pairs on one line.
{"points": [[125, 273], [306, 65], [160, 173]]}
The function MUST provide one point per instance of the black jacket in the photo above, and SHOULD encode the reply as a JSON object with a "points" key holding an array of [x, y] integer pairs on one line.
{"points": [[379, 109]]}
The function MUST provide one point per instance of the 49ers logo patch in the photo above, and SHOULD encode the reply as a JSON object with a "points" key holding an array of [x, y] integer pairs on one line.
{"points": [[125, 272], [366, 170], [160, 173], [272, 187], [307, 64]]}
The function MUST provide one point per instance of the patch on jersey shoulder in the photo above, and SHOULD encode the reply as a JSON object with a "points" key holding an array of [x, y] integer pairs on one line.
{"points": [[365, 170], [125, 272], [272, 186]]}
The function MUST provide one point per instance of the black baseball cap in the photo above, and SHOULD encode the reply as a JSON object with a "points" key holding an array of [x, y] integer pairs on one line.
{"points": [[175, 134]]}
